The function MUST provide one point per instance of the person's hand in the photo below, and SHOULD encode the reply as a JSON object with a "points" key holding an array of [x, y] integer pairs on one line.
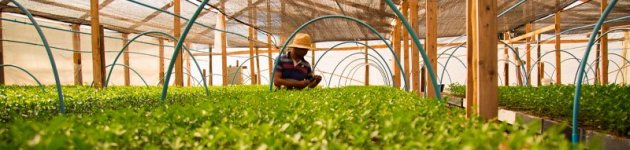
{"points": [[317, 78], [304, 83]]}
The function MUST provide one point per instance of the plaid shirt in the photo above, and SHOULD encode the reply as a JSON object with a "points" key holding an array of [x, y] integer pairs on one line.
{"points": [[290, 70]]}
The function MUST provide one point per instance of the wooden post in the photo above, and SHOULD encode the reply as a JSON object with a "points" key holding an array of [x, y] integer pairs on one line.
{"points": [[539, 79], [519, 63], [367, 67], [541, 71], [506, 65], [269, 42], [125, 39], [486, 62], [423, 77], [2, 53], [471, 98], [604, 46], [210, 73], [415, 54], [251, 44], [406, 48], [626, 45], [97, 57], [597, 61], [177, 29], [203, 73], [188, 57], [396, 39], [223, 47], [557, 47], [161, 61], [528, 54], [431, 42], [76, 56]]}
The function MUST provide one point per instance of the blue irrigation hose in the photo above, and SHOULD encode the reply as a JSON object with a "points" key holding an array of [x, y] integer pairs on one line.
{"points": [[578, 89], [53, 65], [27, 72], [290, 38], [415, 38], [179, 44]]}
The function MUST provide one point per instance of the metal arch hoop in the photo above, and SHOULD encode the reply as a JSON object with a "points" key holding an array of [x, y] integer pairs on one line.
{"points": [[335, 69], [27, 72], [290, 38], [355, 68], [134, 71], [242, 63], [380, 67], [355, 42]]}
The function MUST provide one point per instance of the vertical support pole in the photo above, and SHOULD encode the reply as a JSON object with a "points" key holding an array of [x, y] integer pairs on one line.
{"points": [[528, 53], [396, 39], [541, 71], [188, 57], [519, 77], [203, 73], [223, 47], [506, 65], [557, 47], [283, 34], [431, 41], [423, 81], [471, 98], [76, 56], [367, 67], [177, 29], [314, 46], [97, 59], [486, 62], [406, 50], [604, 46], [2, 52], [269, 42], [415, 55], [161, 60], [598, 59], [539, 80], [210, 74], [252, 73], [125, 39], [626, 45]]}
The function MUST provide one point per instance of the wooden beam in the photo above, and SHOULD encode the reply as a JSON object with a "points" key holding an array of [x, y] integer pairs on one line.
{"points": [[76, 56], [471, 80], [101, 6], [604, 46], [188, 57], [431, 42], [558, 47], [251, 43], [151, 16], [179, 63], [2, 79], [626, 46], [125, 40], [97, 49], [415, 54], [406, 48], [486, 61], [528, 52], [396, 38], [367, 67], [161, 60], [519, 78], [532, 33]]}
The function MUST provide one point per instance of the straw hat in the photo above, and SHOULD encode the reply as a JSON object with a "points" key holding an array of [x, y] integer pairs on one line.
{"points": [[301, 40]]}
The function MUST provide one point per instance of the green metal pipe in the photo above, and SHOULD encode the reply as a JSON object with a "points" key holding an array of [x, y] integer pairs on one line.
{"points": [[27, 72], [290, 38], [134, 70], [178, 47], [53, 65]]}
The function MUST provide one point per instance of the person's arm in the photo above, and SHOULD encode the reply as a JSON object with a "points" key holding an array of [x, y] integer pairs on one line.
{"points": [[278, 81]]}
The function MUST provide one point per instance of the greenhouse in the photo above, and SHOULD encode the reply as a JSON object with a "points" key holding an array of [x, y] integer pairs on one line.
{"points": [[315, 74]]}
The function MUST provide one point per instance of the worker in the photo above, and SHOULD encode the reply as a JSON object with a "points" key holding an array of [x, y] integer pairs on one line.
{"points": [[292, 70]]}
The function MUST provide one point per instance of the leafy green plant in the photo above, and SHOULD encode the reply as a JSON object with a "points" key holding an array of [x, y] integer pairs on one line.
{"points": [[605, 108], [251, 117]]}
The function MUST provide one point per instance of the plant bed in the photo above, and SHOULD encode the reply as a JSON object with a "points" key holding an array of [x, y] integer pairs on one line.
{"points": [[250, 117]]}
